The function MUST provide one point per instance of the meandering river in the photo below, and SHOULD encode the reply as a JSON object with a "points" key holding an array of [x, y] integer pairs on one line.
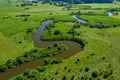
{"points": [[73, 48], [79, 20]]}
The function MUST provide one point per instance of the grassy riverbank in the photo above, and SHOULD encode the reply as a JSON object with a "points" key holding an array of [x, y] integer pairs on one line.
{"points": [[98, 61], [100, 56], [19, 28], [33, 54]]}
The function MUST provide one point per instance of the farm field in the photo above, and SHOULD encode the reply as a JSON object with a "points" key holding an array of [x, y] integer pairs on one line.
{"points": [[98, 40]]}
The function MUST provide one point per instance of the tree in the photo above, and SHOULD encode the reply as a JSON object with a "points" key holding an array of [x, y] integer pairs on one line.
{"points": [[64, 78], [78, 1], [57, 32], [95, 74], [3, 68], [9, 1]]}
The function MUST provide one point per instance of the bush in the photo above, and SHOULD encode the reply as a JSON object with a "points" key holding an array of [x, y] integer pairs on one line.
{"points": [[34, 54], [72, 78], [50, 25], [107, 74], [20, 78], [86, 69], [57, 32], [29, 30], [64, 78], [95, 74], [9, 64], [20, 60], [52, 61], [3, 68], [41, 69], [26, 19]]}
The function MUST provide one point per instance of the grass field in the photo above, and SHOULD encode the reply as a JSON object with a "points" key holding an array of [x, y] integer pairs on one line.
{"points": [[101, 19], [101, 54], [98, 61], [15, 28], [7, 48], [63, 27]]}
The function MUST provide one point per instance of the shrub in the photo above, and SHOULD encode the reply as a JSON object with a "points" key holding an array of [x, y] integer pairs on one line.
{"points": [[20, 78], [9, 64], [20, 60], [34, 54], [64, 78], [25, 19], [3, 68], [65, 68], [69, 70], [72, 78], [107, 74], [52, 61], [86, 69], [95, 74], [56, 73], [57, 32], [29, 30], [41, 69]]}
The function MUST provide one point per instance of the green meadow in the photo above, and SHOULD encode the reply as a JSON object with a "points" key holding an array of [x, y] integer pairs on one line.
{"points": [[14, 25], [7, 48], [101, 19], [99, 59]]}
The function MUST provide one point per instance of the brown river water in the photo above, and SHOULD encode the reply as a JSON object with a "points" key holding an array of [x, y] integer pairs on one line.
{"points": [[73, 48]]}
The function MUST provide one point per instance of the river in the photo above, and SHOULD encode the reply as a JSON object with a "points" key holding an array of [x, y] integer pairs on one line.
{"points": [[110, 14], [73, 48], [79, 20]]}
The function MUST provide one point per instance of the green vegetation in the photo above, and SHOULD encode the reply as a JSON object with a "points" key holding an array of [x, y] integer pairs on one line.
{"points": [[76, 1], [100, 38], [101, 21], [63, 18], [59, 31], [100, 55], [33, 54], [18, 25], [7, 46]]}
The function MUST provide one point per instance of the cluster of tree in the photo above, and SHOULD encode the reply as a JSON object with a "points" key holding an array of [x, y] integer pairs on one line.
{"points": [[58, 33], [33, 54], [94, 75], [79, 1], [23, 15], [98, 1], [113, 9], [52, 61], [90, 13], [29, 3], [101, 25]]}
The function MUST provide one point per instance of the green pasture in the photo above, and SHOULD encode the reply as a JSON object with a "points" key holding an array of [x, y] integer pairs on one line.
{"points": [[101, 51]]}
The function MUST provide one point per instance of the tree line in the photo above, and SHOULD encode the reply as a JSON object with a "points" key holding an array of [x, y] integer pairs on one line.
{"points": [[79, 1], [34, 54]]}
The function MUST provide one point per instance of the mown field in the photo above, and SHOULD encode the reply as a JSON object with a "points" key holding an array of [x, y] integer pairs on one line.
{"points": [[98, 61]]}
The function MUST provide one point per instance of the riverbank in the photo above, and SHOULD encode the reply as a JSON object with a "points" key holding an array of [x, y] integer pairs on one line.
{"points": [[42, 44], [101, 51]]}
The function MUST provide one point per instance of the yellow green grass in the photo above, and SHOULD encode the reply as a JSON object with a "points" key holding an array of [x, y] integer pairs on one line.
{"points": [[101, 19], [101, 51], [8, 50]]}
